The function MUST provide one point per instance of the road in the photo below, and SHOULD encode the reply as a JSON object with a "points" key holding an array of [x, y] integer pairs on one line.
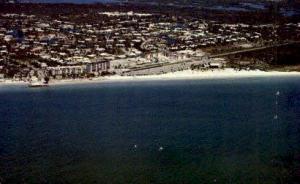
{"points": [[251, 49], [160, 68]]}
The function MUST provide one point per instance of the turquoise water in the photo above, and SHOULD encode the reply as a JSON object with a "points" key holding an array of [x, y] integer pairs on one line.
{"points": [[194, 131]]}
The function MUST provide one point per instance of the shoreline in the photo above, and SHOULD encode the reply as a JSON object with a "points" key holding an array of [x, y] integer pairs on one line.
{"points": [[228, 73]]}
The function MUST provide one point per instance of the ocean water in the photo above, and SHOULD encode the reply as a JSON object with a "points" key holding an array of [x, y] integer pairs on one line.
{"points": [[187, 131], [73, 1]]}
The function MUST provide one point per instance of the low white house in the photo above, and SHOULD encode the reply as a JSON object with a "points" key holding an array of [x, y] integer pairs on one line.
{"points": [[1, 77]]}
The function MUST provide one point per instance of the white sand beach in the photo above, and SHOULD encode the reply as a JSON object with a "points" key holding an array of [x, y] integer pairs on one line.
{"points": [[184, 75], [12, 82], [179, 75]]}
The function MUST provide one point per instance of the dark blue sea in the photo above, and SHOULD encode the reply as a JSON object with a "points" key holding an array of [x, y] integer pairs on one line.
{"points": [[73, 1], [170, 132]]}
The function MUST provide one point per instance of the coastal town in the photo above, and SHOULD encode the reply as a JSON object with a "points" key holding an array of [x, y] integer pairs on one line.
{"points": [[128, 42], [149, 92]]}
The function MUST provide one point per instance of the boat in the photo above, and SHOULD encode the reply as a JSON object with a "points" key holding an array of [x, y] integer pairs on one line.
{"points": [[35, 82]]}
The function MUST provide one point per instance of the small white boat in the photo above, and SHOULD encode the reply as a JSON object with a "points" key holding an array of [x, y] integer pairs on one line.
{"points": [[160, 148]]}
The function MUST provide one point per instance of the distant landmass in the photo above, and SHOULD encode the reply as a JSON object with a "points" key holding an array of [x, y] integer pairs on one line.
{"points": [[9, 1], [294, 4]]}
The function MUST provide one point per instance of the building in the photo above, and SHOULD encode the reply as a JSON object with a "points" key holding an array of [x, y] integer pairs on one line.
{"points": [[1, 77], [97, 67], [65, 71]]}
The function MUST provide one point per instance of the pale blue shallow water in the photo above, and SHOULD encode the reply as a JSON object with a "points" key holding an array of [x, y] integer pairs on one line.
{"points": [[211, 131]]}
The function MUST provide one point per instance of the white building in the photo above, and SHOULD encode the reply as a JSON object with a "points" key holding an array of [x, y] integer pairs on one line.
{"points": [[66, 70], [98, 66]]}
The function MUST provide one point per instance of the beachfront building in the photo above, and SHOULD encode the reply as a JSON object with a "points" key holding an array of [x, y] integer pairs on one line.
{"points": [[66, 71], [1, 77], [97, 67], [217, 63]]}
